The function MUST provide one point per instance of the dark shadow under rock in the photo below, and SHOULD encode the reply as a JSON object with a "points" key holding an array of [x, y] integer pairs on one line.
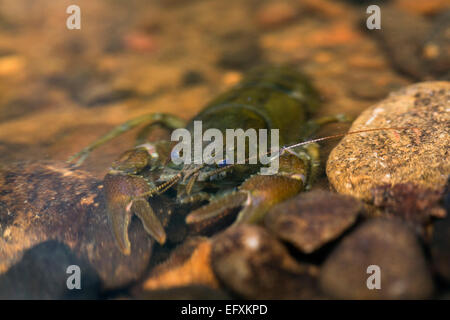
{"points": [[42, 274]]}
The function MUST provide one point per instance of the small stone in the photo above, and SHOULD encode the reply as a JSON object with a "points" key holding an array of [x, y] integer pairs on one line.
{"points": [[232, 78], [188, 265], [387, 244], [10, 65], [401, 42], [313, 219], [418, 154], [255, 265], [276, 14], [140, 42], [89, 87], [440, 243], [324, 8], [409, 202], [428, 7], [192, 78], [436, 50], [242, 51], [334, 34], [42, 274]]}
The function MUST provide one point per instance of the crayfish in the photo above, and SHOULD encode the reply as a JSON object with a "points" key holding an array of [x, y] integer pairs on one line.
{"points": [[269, 98]]}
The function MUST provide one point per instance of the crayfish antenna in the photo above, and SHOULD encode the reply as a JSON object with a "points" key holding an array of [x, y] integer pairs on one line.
{"points": [[289, 147], [343, 135]]}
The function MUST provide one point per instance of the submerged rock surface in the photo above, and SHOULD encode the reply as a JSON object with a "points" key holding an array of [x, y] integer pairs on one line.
{"points": [[49, 201], [392, 247], [418, 154]]}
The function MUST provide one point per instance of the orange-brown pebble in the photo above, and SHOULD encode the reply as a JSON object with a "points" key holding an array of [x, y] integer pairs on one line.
{"points": [[10, 65], [327, 8], [276, 14], [139, 41], [231, 78], [428, 7], [194, 270], [336, 34]]}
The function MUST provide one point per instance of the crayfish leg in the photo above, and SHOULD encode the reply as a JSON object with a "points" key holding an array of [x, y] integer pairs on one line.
{"points": [[265, 192], [217, 207], [168, 120]]}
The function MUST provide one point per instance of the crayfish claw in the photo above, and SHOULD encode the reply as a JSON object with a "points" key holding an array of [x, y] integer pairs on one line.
{"points": [[123, 199], [151, 223], [119, 214]]}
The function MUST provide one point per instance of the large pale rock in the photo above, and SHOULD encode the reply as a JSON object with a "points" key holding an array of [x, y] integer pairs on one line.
{"points": [[419, 154]]}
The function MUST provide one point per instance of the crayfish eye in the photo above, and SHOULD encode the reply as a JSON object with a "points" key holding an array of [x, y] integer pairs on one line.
{"points": [[175, 155], [223, 163]]}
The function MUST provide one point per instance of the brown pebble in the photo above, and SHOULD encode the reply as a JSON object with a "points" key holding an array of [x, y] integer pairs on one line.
{"points": [[188, 265], [387, 244], [276, 14], [312, 219], [255, 265], [428, 7], [409, 201], [436, 50], [440, 247], [324, 8], [401, 42]]}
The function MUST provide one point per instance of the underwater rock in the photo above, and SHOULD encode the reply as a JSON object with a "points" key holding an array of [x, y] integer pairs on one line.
{"points": [[89, 88], [192, 78], [276, 14], [440, 243], [242, 51], [255, 265], [140, 41], [421, 52], [312, 219], [440, 247], [387, 244], [418, 154], [436, 50], [413, 204], [426, 8], [401, 42], [42, 274], [49, 201]]}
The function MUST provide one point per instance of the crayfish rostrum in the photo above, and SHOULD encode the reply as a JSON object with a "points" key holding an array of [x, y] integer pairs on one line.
{"points": [[267, 98]]}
